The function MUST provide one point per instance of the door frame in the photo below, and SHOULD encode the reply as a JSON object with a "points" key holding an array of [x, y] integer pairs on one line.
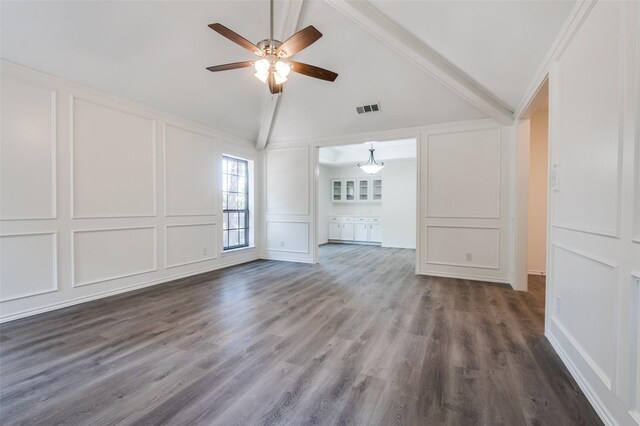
{"points": [[521, 216]]}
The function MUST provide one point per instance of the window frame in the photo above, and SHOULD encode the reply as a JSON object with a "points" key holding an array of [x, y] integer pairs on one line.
{"points": [[226, 212]]}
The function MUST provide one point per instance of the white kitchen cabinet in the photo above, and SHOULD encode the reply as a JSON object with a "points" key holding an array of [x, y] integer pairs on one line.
{"points": [[376, 189], [348, 232], [362, 231], [349, 190], [363, 190], [356, 190], [336, 190], [335, 231], [375, 232]]}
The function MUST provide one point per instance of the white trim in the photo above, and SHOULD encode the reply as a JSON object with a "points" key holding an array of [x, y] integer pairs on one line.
{"points": [[72, 158], [495, 228], [54, 260], [101, 295], [19, 71], [54, 150], [591, 395], [604, 262], [204, 259], [604, 378], [164, 169], [75, 284], [569, 29], [470, 277], [500, 195]]}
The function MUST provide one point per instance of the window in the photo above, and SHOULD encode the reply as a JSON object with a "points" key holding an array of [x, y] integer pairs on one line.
{"points": [[235, 203]]}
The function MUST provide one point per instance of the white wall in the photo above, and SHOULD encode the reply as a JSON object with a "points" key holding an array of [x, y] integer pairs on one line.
{"points": [[288, 179], [399, 204], [538, 184], [101, 196], [465, 196], [593, 271], [324, 208]]}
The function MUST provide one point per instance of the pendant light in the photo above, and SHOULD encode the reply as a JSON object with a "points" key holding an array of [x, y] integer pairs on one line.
{"points": [[371, 166]]}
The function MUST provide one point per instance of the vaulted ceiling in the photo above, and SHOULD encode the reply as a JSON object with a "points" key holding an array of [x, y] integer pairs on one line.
{"points": [[155, 53]]}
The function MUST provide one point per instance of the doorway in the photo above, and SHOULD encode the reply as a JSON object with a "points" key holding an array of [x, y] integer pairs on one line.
{"points": [[356, 208], [533, 195]]}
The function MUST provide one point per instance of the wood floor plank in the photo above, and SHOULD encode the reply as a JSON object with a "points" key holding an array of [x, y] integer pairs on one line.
{"points": [[357, 340]]}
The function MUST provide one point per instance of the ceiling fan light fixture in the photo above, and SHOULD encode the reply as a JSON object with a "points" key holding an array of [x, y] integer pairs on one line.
{"points": [[262, 76], [371, 166], [279, 78], [262, 66], [283, 68]]}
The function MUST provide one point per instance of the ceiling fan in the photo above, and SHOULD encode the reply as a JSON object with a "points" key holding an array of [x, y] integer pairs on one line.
{"points": [[274, 67]]}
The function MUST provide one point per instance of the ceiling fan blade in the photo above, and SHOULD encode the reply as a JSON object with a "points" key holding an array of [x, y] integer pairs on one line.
{"points": [[232, 66], [236, 38], [300, 40], [312, 71], [274, 88]]}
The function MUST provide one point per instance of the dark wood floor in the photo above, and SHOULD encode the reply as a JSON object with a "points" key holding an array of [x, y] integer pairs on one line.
{"points": [[358, 339]]}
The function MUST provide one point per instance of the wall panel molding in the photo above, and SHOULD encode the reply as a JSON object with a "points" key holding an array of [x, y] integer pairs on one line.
{"points": [[54, 265], [111, 277], [634, 327], [52, 131], [612, 268], [614, 230], [182, 189], [282, 185], [75, 100], [471, 264], [280, 231], [497, 179], [198, 259]]}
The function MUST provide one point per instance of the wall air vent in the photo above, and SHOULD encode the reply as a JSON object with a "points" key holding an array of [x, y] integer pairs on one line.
{"points": [[364, 109]]}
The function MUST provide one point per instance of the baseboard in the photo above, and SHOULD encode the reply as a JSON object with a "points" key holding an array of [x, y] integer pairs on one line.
{"points": [[360, 243], [593, 399], [468, 277], [104, 294]]}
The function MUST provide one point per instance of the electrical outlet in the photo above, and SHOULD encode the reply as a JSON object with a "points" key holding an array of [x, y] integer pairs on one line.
{"points": [[469, 257], [558, 305], [281, 243], [205, 251]]}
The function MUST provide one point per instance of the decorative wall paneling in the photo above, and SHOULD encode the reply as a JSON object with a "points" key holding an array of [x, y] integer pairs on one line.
{"points": [[82, 175], [289, 195], [592, 285], [480, 223]]}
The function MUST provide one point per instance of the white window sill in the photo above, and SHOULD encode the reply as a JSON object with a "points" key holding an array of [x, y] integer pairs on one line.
{"points": [[236, 250]]}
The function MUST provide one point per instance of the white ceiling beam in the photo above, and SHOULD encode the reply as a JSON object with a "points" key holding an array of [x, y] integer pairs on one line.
{"points": [[408, 45], [288, 26]]}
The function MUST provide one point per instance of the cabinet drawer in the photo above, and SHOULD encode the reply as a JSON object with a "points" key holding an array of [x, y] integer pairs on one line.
{"points": [[348, 219], [335, 219], [362, 219], [375, 219]]}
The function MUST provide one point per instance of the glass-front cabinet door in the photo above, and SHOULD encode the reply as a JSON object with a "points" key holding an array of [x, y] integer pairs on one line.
{"points": [[336, 188], [350, 190], [363, 190], [376, 184]]}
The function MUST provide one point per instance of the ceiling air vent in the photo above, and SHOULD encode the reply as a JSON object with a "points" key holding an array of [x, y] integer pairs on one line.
{"points": [[364, 109]]}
